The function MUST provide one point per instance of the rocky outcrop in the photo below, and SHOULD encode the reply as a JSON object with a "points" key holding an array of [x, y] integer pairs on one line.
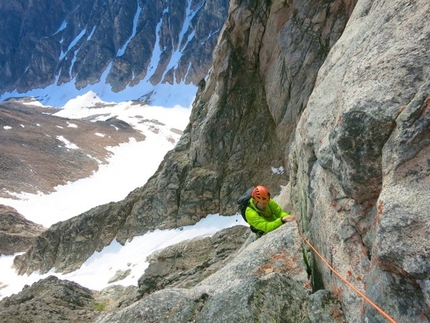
{"points": [[266, 281], [188, 263], [85, 39], [360, 168], [50, 300], [67, 244], [17, 234]]}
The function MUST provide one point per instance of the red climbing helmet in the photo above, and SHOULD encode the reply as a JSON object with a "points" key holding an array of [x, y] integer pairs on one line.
{"points": [[261, 194]]}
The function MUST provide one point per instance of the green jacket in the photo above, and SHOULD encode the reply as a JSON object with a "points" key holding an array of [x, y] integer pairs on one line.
{"points": [[267, 220]]}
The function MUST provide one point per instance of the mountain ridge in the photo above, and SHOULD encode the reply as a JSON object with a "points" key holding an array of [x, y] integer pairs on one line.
{"points": [[133, 44]]}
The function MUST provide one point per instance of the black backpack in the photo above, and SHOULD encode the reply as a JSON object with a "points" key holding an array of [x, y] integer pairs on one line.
{"points": [[243, 203]]}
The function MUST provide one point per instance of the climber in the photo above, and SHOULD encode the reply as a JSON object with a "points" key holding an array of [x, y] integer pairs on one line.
{"points": [[263, 213]]}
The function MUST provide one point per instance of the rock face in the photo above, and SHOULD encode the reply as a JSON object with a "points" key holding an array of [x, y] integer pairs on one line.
{"points": [[360, 162], [17, 234], [85, 39], [241, 123]]}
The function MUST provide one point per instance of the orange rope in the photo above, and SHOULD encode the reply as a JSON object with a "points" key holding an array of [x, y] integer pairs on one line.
{"points": [[348, 283]]}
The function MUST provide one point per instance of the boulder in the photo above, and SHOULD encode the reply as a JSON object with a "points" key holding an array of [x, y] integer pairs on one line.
{"points": [[189, 262]]}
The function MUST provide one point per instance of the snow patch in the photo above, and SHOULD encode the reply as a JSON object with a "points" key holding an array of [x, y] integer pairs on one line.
{"points": [[67, 143]]}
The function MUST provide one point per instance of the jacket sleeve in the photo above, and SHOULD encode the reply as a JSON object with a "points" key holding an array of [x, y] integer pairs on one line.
{"points": [[278, 212], [260, 223]]}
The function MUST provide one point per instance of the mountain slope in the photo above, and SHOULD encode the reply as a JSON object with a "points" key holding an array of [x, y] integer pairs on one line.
{"points": [[40, 151], [125, 44]]}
